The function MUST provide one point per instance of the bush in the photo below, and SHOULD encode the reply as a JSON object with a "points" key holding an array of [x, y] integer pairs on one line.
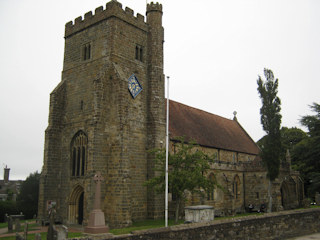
{"points": [[7, 207], [27, 201]]}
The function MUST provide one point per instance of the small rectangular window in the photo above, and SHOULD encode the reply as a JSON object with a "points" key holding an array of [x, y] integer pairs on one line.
{"points": [[139, 53], [86, 52]]}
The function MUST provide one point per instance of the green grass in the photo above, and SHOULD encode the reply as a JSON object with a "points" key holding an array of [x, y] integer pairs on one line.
{"points": [[314, 206], [43, 236], [31, 227], [143, 225], [30, 237], [5, 224], [238, 215]]}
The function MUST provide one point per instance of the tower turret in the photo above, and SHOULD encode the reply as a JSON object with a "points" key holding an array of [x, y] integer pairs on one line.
{"points": [[155, 101], [156, 35]]}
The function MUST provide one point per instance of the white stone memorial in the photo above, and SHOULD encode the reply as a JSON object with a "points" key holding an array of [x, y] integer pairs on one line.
{"points": [[199, 213]]}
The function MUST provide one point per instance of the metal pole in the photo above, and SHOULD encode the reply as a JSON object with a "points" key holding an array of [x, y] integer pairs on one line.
{"points": [[167, 156]]}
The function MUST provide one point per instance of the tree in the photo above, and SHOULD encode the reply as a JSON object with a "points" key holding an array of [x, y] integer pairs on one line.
{"points": [[290, 137], [29, 194], [271, 121], [312, 122], [188, 167], [7, 207], [306, 154]]}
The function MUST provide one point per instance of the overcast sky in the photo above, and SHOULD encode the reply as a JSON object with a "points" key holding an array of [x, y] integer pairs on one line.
{"points": [[214, 52]]}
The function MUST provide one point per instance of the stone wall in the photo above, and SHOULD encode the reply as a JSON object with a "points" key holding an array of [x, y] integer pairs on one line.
{"points": [[280, 225]]}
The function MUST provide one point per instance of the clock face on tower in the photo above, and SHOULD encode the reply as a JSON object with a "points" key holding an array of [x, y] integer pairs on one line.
{"points": [[134, 86]]}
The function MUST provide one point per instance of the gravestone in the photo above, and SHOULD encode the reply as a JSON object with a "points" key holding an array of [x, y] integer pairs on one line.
{"points": [[10, 224], [25, 230], [62, 232], [17, 225], [37, 236], [19, 237], [52, 232], [96, 219]]}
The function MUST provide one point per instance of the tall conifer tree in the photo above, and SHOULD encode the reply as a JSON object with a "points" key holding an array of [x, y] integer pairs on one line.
{"points": [[271, 121]]}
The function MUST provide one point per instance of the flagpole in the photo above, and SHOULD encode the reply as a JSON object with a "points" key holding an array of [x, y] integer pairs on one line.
{"points": [[167, 156]]}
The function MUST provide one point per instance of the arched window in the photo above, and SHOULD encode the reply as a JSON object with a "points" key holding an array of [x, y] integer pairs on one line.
{"points": [[210, 193], [236, 187], [79, 146]]}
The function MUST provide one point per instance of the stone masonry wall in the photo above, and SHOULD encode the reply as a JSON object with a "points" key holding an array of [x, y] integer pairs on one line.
{"points": [[280, 225]]}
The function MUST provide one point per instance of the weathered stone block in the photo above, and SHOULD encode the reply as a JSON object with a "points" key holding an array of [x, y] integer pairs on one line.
{"points": [[200, 213]]}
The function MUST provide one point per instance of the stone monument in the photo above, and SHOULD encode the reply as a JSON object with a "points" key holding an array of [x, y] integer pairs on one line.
{"points": [[199, 213], [10, 224], [96, 219]]}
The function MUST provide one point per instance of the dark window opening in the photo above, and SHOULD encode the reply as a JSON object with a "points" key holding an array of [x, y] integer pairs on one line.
{"points": [[86, 51], [81, 105], [79, 155], [78, 162], [210, 196], [210, 193], [80, 208], [236, 187], [83, 160], [74, 162], [139, 53]]}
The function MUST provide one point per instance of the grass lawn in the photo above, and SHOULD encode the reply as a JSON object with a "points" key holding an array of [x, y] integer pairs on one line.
{"points": [[43, 236], [5, 224], [142, 225], [31, 227]]}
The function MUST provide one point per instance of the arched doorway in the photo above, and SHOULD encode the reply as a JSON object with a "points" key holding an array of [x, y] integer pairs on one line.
{"points": [[76, 205]]}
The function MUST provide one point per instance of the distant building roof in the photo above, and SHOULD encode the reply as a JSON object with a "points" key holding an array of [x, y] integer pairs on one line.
{"points": [[208, 129]]}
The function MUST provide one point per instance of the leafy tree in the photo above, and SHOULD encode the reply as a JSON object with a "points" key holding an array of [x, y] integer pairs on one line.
{"points": [[306, 154], [314, 183], [312, 122], [7, 207], [188, 167], [271, 121], [290, 137], [28, 196]]}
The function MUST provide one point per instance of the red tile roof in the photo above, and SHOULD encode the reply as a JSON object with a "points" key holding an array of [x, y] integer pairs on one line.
{"points": [[208, 129]]}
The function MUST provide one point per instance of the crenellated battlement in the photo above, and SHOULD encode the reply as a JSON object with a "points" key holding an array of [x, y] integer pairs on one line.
{"points": [[113, 9], [154, 7]]}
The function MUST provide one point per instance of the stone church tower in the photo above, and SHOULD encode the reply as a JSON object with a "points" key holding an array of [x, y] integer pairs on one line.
{"points": [[106, 112]]}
